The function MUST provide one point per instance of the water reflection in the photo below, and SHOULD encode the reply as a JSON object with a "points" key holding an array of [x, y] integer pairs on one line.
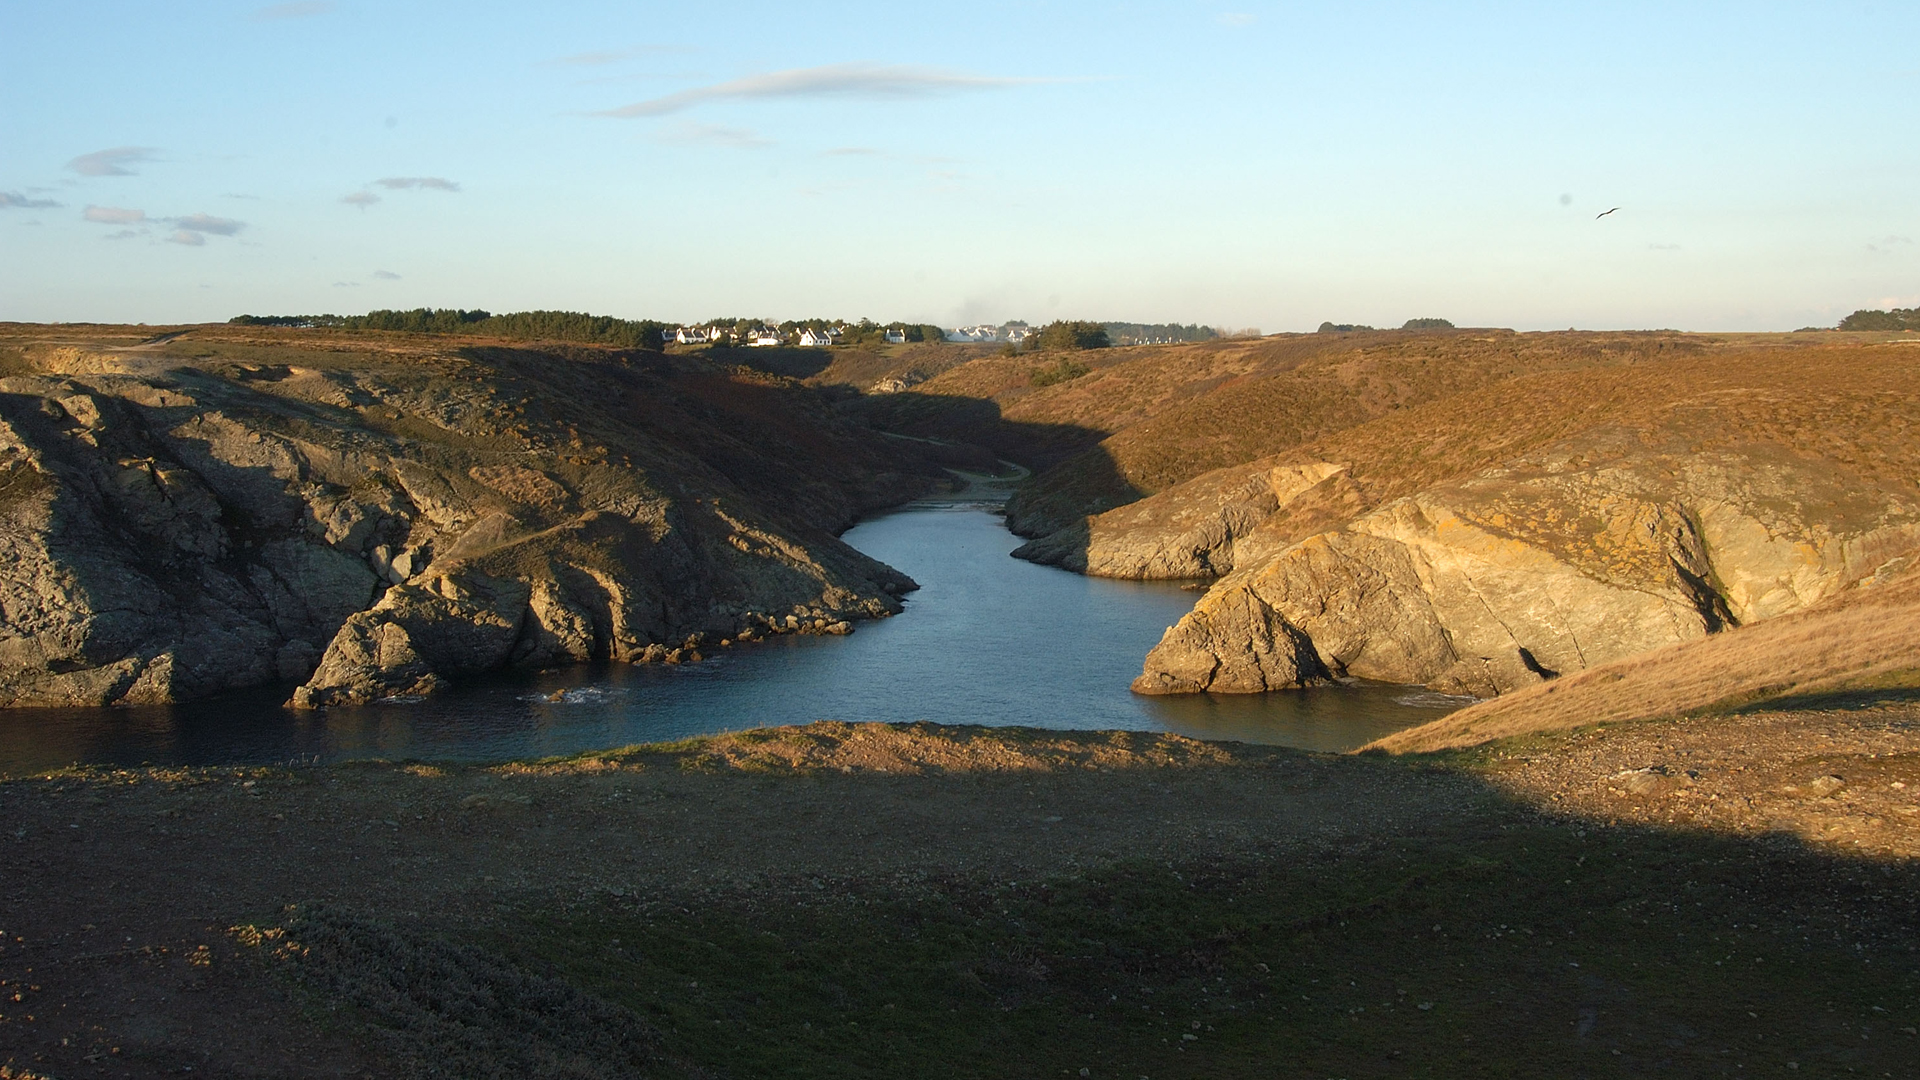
{"points": [[986, 640]]}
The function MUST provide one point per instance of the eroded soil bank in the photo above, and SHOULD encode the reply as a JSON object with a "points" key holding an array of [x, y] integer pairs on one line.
{"points": [[1707, 896]]}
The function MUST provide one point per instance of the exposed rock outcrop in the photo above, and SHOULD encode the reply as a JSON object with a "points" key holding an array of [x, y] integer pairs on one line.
{"points": [[376, 524], [1612, 543]]}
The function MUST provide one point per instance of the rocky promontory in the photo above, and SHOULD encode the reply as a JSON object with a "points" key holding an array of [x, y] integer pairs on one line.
{"points": [[1688, 499], [369, 518]]}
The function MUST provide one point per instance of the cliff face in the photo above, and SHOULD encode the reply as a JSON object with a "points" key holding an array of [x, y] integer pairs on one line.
{"points": [[373, 520], [1708, 496]]}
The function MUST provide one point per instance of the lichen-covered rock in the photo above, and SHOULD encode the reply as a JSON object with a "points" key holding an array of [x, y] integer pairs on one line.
{"points": [[373, 524]]}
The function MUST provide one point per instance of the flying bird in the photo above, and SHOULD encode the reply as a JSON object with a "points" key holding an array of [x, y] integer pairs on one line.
{"points": [[1603, 213]]}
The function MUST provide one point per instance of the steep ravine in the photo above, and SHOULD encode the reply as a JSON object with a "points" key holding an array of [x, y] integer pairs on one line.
{"points": [[380, 517]]}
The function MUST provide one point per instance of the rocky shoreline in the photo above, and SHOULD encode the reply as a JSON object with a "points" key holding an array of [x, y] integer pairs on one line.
{"points": [[375, 518]]}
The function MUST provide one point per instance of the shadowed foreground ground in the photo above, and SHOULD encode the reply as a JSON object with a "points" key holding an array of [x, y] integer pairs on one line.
{"points": [[1727, 895]]}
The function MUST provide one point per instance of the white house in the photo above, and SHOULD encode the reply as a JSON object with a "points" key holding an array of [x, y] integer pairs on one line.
{"points": [[1018, 334], [764, 338], [896, 337], [814, 339], [688, 335]]}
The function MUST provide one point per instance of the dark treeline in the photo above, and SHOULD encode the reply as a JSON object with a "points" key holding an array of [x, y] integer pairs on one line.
{"points": [[1897, 319], [520, 325], [1129, 333], [1410, 324]]}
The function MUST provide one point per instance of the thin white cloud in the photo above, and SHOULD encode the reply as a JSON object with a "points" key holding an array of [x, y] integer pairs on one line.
{"points": [[299, 10], [187, 237], [13, 200], [860, 80], [386, 275], [346, 284], [126, 234], [1236, 18], [713, 135], [113, 215], [207, 223], [434, 183], [111, 162], [361, 199]]}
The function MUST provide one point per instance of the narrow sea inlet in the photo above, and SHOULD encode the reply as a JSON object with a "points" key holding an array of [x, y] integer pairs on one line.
{"points": [[987, 639]]}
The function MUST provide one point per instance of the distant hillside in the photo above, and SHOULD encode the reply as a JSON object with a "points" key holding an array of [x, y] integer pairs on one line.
{"points": [[519, 326]]}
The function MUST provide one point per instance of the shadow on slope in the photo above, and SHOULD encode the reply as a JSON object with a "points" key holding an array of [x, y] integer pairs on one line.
{"points": [[1495, 937]]}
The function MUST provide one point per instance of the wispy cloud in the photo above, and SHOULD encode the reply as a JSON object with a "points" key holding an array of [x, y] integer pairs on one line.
{"points": [[1236, 18], [386, 275], [113, 215], [126, 234], [346, 284], [13, 200], [851, 151], [361, 199], [207, 223], [713, 135], [299, 10], [860, 80], [187, 237], [111, 162], [434, 183]]}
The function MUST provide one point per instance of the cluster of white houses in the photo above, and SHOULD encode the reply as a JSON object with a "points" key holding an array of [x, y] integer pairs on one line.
{"points": [[809, 337], [1014, 332], [764, 336]]}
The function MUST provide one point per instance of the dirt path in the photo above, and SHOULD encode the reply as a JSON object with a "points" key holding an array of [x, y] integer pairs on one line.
{"points": [[117, 888]]}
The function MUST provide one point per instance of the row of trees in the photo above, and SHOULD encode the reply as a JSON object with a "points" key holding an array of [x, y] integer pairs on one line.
{"points": [[517, 326], [1410, 324], [1125, 333], [1897, 319]]}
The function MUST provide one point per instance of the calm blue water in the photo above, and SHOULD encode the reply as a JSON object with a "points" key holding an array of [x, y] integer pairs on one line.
{"points": [[986, 640]]}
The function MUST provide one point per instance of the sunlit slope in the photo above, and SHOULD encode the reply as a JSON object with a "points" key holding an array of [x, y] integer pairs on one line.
{"points": [[1864, 642], [1546, 526], [1171, 420]]}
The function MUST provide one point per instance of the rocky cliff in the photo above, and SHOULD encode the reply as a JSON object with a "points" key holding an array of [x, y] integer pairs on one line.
{"points": [[1685, 499], [368, 518]]}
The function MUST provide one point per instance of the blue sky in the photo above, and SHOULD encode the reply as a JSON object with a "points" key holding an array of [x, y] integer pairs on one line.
{"points": [[1237, 163]]}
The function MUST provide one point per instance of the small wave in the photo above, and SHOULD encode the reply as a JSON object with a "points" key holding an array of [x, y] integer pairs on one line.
{"points": [[1433, 699], [577, 695], [401, 699]]}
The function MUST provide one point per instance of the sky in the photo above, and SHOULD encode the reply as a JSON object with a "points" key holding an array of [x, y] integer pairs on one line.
{"points": [[1235, 163]]}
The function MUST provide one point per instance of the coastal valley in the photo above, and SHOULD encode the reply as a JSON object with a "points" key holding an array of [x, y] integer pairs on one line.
{"points": [[1670, 579]]}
